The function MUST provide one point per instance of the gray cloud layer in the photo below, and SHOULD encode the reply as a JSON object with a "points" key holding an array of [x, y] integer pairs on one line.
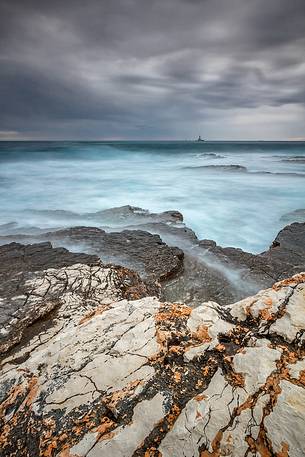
{"points": [[152, 69]]}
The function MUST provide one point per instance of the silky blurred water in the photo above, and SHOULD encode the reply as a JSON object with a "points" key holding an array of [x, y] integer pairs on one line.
{"points": [[240, 208]]}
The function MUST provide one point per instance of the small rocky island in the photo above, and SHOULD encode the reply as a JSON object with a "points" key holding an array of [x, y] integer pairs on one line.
{"points": [[141, 340]]}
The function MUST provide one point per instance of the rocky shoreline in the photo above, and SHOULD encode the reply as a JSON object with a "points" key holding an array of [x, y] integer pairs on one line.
{"points": [[168, 255], [134, 348]]}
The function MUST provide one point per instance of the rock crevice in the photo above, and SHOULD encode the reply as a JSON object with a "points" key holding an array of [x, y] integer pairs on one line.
{"points": [[119, 372]]}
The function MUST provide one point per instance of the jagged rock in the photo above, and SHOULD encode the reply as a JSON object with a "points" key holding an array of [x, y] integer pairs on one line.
{"points": [[161, 248], [16, 257], [114, 377], [142, 251], [20, 307], [229, 274], [285, 257]]}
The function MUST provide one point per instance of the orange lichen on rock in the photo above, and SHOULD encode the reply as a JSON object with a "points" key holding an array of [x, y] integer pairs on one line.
{"points": [[199, 384], [220, 347], [173, 311], [33, 389], [152, 452], [11, 398], [30, 390], [260, 444], [104, 427], [67, 453], [302, 377], [119, 395], [294, 281], [216, 452], [177, 377], [202, 334], [95, 312], [172, 415], [237, 379], [200, 397], [206, 371], [285, 451], [265, 313]]}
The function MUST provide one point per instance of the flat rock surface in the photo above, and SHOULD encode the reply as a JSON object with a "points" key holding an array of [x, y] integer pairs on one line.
{"points": [[115, 373]]}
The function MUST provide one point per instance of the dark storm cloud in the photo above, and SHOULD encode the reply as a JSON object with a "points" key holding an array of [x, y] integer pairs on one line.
{"points": [[139, 68]]}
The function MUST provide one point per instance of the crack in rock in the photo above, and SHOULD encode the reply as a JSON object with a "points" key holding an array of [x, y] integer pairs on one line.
{"points": [[113, 371]]}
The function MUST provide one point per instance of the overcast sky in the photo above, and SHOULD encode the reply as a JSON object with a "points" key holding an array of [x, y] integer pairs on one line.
{"points": [[137, 69]]}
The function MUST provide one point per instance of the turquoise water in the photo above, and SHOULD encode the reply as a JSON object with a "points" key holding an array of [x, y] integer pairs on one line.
{"points": [[240, 208]]}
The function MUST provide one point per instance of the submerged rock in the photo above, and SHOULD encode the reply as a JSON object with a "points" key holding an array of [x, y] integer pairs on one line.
{"points": [[297, 215], [109, 376], [296, 159], [233, 167], [118, 216]]}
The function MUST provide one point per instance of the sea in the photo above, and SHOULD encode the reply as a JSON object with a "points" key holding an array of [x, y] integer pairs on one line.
{"points": [[237, 193]]}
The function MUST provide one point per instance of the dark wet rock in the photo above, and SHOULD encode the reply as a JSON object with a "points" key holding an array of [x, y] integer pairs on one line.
{"points": [[191, 271], [16, 257], [170, 233], [296, 159], [137, 249], [286, 255], [240, 168], [204, 279], [207, 244], [140, 250], [279, 174], [126, 215], [122, 215]]}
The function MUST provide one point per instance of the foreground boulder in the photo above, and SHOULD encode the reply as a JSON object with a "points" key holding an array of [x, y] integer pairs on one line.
{"points": [[110, 376]]}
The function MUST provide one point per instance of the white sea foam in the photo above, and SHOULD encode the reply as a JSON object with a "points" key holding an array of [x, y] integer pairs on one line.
{"points": [[236, 209]]}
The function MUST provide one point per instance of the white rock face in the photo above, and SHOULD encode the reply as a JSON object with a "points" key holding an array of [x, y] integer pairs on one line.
{"points": [[289, 407], [255, 364], [106, 376]]}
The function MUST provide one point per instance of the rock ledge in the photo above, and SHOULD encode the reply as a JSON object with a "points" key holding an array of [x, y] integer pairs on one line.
{"points": [[123, 374]]}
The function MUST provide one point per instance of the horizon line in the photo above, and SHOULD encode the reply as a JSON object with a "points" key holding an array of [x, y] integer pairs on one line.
{"points": [[301, 140]]}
